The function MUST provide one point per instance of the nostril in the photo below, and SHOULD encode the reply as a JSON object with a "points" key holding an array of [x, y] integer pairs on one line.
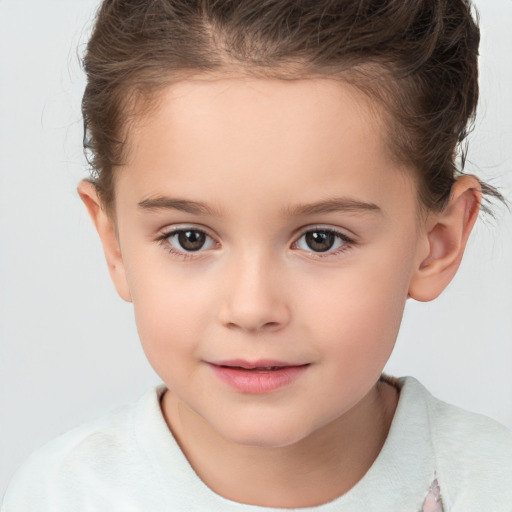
{"points": [[253, 314], [254, 327]]}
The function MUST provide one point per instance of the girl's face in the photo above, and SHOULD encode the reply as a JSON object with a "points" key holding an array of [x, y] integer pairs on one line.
{"points": [[268, 241]]}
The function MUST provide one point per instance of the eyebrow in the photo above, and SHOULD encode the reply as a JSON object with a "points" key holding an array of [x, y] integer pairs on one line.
{"points": [[183, 205], [333, 205], [199, 208]]}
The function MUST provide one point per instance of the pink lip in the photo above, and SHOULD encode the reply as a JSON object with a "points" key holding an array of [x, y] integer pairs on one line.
{"points": [[257, 377]]}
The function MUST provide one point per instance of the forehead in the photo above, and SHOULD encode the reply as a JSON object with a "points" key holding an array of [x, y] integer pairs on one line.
{"points": [[261, 137], [263, 108]]}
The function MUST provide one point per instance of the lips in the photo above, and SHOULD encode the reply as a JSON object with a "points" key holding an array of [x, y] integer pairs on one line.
{"points": [[259, 364], [260, 369], [257, 377]]}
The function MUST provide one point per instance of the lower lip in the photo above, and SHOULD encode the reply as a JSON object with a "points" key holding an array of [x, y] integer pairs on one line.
{"points": [[258, 382]]}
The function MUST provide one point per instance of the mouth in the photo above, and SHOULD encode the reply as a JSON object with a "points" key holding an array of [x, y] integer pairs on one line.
{"points": [[258, 377], [261, 369], [265, 365]]}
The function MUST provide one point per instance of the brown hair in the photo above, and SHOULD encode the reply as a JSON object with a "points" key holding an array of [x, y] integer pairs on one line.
{"points": [[417, 57]]}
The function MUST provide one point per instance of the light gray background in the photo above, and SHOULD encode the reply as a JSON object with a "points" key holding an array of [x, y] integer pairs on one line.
{"points": [[69, 349]]}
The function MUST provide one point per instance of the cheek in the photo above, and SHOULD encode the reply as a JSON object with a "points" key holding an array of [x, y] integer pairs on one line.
{"points": [[359, 309], [364, 323], [171, 311]]}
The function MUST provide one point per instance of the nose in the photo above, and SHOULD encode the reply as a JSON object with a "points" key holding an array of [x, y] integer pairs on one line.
{"points": [[254, 296]]}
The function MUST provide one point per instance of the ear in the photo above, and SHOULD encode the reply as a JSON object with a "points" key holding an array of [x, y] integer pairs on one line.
{"points": [[447, 233], [105, 226]]}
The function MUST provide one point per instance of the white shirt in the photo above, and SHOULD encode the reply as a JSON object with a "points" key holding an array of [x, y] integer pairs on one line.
{"points": [[128, 461]]}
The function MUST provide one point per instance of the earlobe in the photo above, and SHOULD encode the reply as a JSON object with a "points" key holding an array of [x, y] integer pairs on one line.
{"points": [[446, 235], [105, 227]]}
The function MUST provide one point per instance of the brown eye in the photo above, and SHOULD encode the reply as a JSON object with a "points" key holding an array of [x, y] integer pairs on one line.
{"points": [[322, 241], [189, 240]]}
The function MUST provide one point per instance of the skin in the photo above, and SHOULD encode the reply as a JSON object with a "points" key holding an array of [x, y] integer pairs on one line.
{"points": [[254, 150]]}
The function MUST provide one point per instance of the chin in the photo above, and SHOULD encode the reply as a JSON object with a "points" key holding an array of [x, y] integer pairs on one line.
{"points": [[263, 434]]}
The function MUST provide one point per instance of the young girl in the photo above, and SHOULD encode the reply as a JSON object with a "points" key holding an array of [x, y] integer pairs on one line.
{"points": [[272, 181]]}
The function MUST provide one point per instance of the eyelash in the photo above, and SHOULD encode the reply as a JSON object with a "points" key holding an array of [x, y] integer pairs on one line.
{"points": [[163, 240], [348, 242]]}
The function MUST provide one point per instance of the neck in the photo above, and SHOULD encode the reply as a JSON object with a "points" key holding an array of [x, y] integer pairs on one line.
{"points": [[313, 471]]}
